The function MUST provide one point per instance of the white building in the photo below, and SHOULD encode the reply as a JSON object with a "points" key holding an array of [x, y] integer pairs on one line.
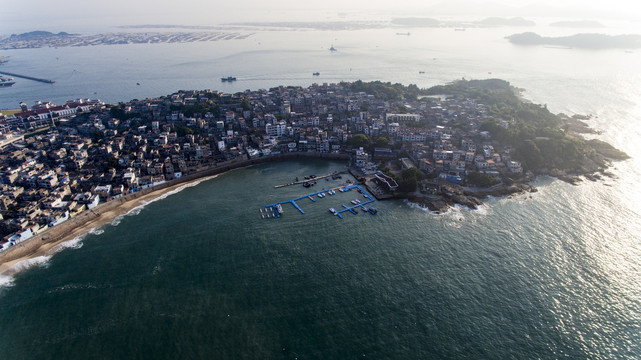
{"points": [[277, 130], [402, 117]]}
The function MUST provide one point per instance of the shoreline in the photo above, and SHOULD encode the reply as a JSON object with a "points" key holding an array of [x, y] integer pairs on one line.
{"points": [[48, 242]]}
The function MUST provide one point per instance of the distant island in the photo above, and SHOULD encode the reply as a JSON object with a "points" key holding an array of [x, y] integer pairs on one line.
{"points": [[517, 21], [36, 35], [417, 22], [488, 22], [583, 41], [39, 39], [578, 24]]}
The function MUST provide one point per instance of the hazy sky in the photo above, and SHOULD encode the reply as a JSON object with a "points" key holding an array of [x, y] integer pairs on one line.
{"points": [[23, 15]]}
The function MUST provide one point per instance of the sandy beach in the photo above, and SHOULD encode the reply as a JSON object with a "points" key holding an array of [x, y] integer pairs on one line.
{"points": [[49, 242]]}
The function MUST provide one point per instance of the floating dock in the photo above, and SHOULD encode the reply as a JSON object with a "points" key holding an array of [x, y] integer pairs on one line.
{"points": [[306, 180], [272, 209], [28, 77]]}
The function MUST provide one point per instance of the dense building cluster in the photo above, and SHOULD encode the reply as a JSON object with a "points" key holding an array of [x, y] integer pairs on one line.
{"points": [[58, 161]]}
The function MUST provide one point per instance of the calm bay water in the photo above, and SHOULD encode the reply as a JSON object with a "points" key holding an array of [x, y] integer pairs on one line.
{"points": [[199, 274]]}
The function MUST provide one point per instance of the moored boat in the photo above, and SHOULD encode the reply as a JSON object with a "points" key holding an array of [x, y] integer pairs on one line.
{"points": [[6, 82]]}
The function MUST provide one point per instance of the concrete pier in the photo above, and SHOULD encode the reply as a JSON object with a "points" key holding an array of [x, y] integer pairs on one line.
{"points": [[306, 180], [28, 77]]}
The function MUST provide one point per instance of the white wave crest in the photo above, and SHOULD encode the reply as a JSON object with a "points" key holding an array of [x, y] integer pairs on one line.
{"points": [[71, 287], [419, 207], [455, 214], [30, 263], [177, 190], [135, 211], [75, 243], [6, 281], [482, 210], [96, 231], [116, 221]]}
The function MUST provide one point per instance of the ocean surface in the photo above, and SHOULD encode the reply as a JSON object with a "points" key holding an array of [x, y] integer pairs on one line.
{"points": [[199, 274]]}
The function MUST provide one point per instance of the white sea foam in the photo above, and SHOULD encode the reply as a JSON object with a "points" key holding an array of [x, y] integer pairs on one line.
{"points": [[176, 190], [6, 281], [30, 263], [70, 287], [116, 221], [135, 211], [482, 210], [75, 243], [419, 207], [456, 212], [96, 231]]}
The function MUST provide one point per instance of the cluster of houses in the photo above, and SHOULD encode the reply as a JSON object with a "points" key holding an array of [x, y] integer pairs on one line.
{"points": [[79, 154]]}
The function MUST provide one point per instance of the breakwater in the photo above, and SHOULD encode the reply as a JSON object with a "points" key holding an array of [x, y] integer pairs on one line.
{"points": [[28, 77]]}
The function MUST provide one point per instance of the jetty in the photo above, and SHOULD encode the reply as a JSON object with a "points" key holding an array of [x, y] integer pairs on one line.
{"points": [[272, 208], [27, 77], [306, 180]]}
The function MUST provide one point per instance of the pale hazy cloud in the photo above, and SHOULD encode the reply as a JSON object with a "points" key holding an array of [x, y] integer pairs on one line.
{"points": [[75, 14]]}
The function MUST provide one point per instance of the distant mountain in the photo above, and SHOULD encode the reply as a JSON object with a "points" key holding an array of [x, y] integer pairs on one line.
{"points": [[496, 21], [578, 24], [34, 35], [416, 22], [489, 22], [584, 41]]}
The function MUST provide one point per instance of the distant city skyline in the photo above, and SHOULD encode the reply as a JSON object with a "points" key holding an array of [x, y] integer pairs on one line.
{"points": [[74, 15]]}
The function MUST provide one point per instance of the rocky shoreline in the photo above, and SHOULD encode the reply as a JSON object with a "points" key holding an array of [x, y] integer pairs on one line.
{"points": [[465, 197]]}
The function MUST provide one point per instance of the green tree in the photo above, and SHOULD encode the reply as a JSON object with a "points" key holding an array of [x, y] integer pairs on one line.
{"points": [[381, 141], [480, 180], [360, 140], [181, 131], [530, 154], [412, 173], [112, 163], [246, 105], [407, 185]]}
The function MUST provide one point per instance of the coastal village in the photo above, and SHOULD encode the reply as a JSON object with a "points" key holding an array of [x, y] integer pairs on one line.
{"points": [[38, 39], [63, 160]]}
